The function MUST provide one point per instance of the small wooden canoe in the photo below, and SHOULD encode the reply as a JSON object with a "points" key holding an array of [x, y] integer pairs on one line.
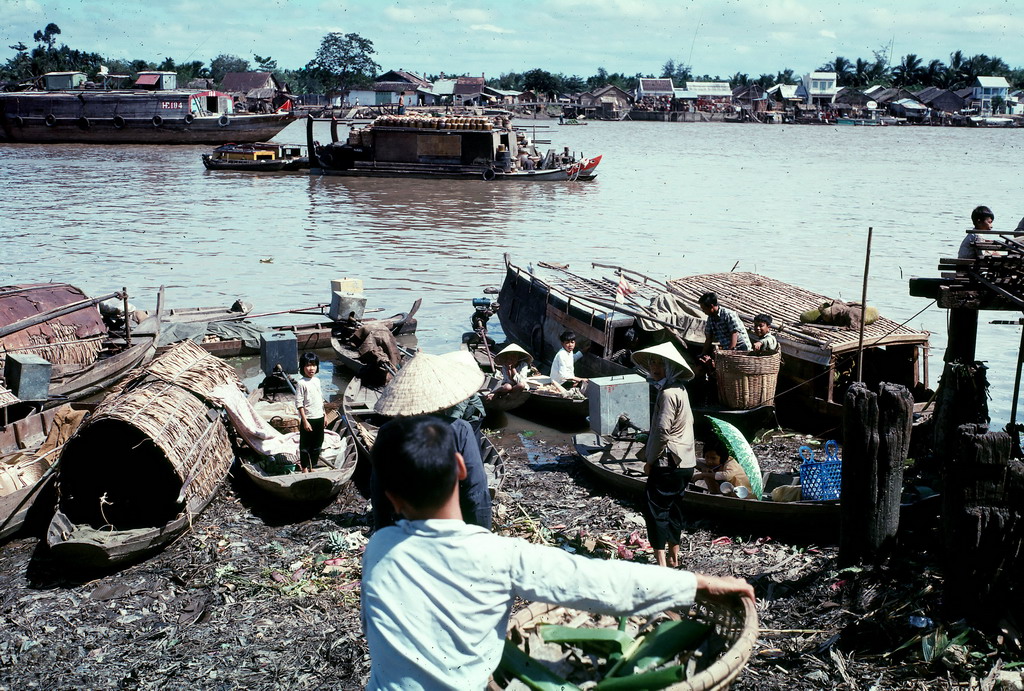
{"points": [[308, 336], [615, 463], [402, 324], [363, 423], [196, 315], [321, 484], [535, 403]]}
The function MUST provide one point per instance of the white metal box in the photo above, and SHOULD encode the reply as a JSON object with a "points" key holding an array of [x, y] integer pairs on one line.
{"points": [[610, 397]]}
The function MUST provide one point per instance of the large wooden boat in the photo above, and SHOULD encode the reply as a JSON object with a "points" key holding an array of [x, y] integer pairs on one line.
{"points": [[363, 422], [130, 483], [29, 450], [130, 116], [818, 359], [57, 322], [461, 148]]}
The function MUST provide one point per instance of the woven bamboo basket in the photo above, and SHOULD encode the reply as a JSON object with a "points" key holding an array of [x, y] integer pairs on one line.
{"points": [[734, 620], [746, 381], [152, 450]]}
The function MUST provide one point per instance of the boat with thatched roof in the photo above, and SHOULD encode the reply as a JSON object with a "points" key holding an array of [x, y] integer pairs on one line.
{"points": [[818, 359], [61, 324], [129, 482]]}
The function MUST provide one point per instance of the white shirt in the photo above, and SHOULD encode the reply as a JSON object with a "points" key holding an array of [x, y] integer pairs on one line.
{"points": [[310, 396], [562, 367], [437, 595]]}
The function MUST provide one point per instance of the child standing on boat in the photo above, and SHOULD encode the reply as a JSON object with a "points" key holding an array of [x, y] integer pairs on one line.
{"points": [[309, 399]]}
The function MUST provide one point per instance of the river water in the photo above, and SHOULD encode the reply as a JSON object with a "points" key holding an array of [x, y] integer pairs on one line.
{"points": [[671, 199]]}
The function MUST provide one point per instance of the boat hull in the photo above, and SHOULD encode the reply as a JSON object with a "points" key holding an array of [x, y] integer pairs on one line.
{"points": [[32, 120]]}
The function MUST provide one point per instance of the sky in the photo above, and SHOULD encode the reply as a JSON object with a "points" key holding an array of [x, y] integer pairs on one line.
{"points": [[574, 37]]}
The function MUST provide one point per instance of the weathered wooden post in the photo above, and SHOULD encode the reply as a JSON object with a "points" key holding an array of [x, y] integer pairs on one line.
{"points": [[876, 434], [962, 398], [983, 526]]}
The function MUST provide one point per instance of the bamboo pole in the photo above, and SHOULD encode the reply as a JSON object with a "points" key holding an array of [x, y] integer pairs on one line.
{"points": [[28, 322], [863, 309], [127, 319]]}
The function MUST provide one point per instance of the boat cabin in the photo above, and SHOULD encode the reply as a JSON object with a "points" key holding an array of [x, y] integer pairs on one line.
{"points": [[56, 81], [157, 81]]}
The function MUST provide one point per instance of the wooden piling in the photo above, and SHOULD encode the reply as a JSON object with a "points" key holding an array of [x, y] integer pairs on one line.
{"points": [[983, 527], [876, 434]]}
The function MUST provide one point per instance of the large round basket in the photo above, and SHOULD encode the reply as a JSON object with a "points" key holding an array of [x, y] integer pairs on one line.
{"points": [[735, 620], [746, 381]]}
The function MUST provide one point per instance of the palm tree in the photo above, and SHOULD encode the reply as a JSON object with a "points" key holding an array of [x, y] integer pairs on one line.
{"points": [[908, 72], [935, 73], [861, 72], [739, 79], [842, 67], [784, 77]]}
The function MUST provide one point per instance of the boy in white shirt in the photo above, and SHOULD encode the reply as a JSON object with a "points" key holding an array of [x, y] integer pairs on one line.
{"points": [[563, 366]]}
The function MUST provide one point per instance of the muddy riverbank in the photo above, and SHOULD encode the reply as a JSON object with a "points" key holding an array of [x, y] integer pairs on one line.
{"points": [[248, 599]]}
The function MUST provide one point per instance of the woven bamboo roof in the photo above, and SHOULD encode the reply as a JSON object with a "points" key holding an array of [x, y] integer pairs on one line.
{"points": [[749, 294]]}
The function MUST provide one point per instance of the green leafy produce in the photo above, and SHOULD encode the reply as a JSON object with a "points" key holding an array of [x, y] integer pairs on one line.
{"points": [[602, 641], [661, 645], [516, 663], [658, 679]]}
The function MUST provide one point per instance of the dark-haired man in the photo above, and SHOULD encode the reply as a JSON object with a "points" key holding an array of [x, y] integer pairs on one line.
{"points": [[437, 593], [723, 327]]}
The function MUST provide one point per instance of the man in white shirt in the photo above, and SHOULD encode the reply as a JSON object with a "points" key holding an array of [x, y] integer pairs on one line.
{"points": [[437, 593], [563, 366]]}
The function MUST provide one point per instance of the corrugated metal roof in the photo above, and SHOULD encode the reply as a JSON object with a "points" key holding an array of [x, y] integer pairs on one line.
{"points": [[245, 82], [710, 88], [657, 85], [993, 82]]}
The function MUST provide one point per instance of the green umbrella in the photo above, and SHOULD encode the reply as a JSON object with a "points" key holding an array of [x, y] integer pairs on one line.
{"points": [[737, 446]]}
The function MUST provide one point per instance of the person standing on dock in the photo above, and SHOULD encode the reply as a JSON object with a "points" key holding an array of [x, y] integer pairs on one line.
{"points": [[670, 452], [982, 218]]}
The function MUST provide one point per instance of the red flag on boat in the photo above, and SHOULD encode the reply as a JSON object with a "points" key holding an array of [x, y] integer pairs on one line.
{"points": [[622, 291]]}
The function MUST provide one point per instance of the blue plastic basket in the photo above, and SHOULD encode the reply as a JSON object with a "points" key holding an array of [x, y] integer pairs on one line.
{"points": [[821, 480]]}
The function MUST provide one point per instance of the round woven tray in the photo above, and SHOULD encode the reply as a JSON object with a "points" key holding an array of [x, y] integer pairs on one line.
{"points": [[746, 381], [284, 425], [734, 619]]}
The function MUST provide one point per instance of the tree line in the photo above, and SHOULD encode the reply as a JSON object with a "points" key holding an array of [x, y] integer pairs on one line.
{"points": [[346, 61]]}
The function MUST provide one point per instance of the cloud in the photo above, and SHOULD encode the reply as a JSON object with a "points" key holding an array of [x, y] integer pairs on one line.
{"points": [[490, 28], [827, 34], [398, 14]]}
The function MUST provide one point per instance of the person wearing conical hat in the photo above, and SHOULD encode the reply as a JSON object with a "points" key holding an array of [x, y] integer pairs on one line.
{"points": [[434, 385], [670, 455], [515, 364]]}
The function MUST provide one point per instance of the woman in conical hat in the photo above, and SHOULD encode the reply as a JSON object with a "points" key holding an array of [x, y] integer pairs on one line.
{"points": [[434, 384], [670, 455]]}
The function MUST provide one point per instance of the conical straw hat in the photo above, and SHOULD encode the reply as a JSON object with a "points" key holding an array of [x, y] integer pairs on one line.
{"points": [[430, 383], [665, 351], [511, 355]]}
